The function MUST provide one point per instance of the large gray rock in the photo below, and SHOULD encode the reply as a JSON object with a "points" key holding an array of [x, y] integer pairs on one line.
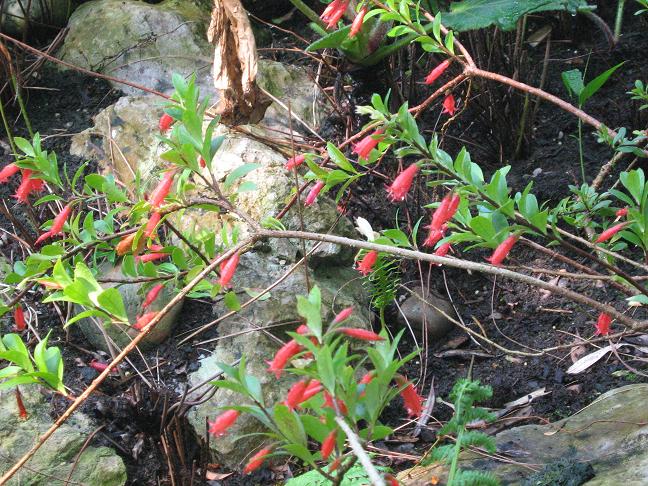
{"points": [[18, 15], [102, 336], [57, 458], [427, 311], [611, 434], [146, 43], [242, 337]]}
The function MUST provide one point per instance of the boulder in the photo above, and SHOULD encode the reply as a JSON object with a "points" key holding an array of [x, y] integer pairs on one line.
{"points": [[133, 295], [421, 311], [610, 435], [241, 336], [146, 43], [63, 455]]}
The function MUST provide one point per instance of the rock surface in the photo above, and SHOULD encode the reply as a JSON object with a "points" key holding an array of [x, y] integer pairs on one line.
{"points": [[611, 434], [242, 337], [146, 43], [57, 458], [133, 295], [422, 312]]}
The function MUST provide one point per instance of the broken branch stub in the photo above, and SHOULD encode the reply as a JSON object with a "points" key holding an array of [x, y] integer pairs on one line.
{"points": [[235, 64]]}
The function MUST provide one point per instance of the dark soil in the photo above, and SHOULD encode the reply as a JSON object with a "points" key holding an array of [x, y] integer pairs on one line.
{"points": [[135, 415]]}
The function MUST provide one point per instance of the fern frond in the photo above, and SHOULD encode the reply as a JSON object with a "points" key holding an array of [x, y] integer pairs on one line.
{"points": [[383, 282], [475, 478], [473, 438]]}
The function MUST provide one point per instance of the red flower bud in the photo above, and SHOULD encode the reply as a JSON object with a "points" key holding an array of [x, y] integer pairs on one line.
{"points": [[334, 12], [151, 225], [202, 163], [295, 162], [144, 320], [402, 184], [223, 422], [295, 394], [302, 329], [125, 245], [435, 235], [328, 444], [313, 193], [99, 366], [285, 354], [413, 402], [162, 189], [228, 269], [365, 266], [313, 388], [57, 224], [151, 257], [603, 324], [8, 171], [343, 315], [328, 403], [391, 480], [364, 147], [19, 318], [610, 232], [356, 26], [166, 121], [502, 250], [361, 334], [443, 250], [622, 212], [437, 71], [152, 295], [27, 186], [449, 105], [257, 460]]}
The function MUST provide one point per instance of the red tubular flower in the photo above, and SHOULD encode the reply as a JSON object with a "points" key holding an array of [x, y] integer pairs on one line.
{"points": [[334, 12], [162, 189], [343, 315], [335, 464], [610, 232], [152, 295], [125, 244], [449, 105], [364, 147], [435, 235], [295, 394], [437, 71], [153, 221], [443, 249], [144, 320], [257, 460], [224, 421], [43, 237], [603, 324], [8, 171], [313, 388], [228, 269], [361, 334], [365, 380], [328, 444], [25, 188], [19, 318], [166, 121], [57, 225], [365, 266], [99, 366], [151, 257], [401, 185], [502, 250], [285, 353], [413, 401], [294, 162], [356, 26], [622, 212], [202, 163], [302, 329], [314, 192]]}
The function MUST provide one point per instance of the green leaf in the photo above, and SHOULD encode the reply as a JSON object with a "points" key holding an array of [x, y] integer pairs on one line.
{"points": [[339, 159], [232, 301], [332, 40], [111, 301], [595, 84], [573, 81], [238, 173], [310, 309], [289, 424]]}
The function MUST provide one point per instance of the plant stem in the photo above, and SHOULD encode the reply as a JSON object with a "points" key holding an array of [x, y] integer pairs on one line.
{"points": [[580, 150], [308, 12], [374, 476], [455, 458], [23, 110], [618, 22], [5, 122]]}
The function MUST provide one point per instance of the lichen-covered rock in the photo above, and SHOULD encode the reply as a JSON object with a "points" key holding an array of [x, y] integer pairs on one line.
{"points": [[120, 335], [242, 337], [610, 434], [58, 459]]}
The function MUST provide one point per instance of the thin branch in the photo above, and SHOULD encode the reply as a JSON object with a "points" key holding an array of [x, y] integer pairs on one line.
{"points": [[374, 476]]}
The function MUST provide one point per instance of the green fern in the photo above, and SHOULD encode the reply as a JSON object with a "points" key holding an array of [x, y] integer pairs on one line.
{"points": [[464, 394], [382, 282]]}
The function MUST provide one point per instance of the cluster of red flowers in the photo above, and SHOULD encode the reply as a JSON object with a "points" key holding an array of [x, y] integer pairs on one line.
{"points": [[28, 184], [444, 213]]}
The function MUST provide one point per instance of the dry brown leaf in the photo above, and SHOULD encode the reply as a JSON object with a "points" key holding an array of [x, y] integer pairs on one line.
{"points": [[235, 64]]}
